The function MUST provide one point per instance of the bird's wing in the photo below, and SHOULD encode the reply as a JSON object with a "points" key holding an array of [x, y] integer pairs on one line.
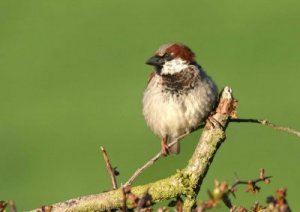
{"points": [[151, 77]]}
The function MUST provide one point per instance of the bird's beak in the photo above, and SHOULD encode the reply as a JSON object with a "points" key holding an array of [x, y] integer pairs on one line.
{"points": [[155, 61]]}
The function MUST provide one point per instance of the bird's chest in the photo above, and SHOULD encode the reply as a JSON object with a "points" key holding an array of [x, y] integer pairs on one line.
{"points": [[173, 109]]}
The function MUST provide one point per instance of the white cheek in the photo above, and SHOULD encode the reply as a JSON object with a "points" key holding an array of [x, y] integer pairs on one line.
{"points": [[174, 66]]}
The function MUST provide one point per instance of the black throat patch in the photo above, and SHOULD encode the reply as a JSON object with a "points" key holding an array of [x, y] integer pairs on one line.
{"points": [[181, 81]]}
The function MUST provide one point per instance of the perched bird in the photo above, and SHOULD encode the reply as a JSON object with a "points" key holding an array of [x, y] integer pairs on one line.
{"points": [[179, 96]]}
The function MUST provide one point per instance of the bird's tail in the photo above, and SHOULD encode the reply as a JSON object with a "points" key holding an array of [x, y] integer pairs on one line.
{"points": [[175, 149]]}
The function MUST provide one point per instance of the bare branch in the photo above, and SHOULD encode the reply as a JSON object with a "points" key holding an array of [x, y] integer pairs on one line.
{"points": [[267, 123], [257, 121], [151, 162], [222, 190], [109, 168], [157, 156], [124, 206], [252, 187], [13, 206], [3, 205]]}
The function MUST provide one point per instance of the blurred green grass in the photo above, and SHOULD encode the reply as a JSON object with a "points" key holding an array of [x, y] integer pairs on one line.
{"points": [[72, 75]]}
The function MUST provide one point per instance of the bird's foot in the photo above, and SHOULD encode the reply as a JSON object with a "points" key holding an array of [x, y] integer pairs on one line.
{"points": [[164, 146]]}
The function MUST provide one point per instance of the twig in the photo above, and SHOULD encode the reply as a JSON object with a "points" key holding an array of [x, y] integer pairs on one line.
{"points": [[3, 205], [124, 206], [251, 183], [109, 168], [267, 123], [157, 156], [240, 182], [223, 189], [13, 206], [150, 162]]}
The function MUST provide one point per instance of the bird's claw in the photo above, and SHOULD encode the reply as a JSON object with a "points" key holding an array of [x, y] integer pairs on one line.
{"points": [[164, 147]]}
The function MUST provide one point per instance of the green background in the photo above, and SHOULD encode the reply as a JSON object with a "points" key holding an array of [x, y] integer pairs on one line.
{"points": [[72, 75]]}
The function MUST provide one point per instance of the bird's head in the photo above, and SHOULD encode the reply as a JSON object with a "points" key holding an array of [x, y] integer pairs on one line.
{"points": [[171, 58]]}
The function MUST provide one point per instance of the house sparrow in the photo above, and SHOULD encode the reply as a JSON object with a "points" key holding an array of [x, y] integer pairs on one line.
{"points": [[179, 96]]}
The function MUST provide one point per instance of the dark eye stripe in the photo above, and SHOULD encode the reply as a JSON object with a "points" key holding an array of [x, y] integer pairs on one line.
{"points": [[168, 57]]}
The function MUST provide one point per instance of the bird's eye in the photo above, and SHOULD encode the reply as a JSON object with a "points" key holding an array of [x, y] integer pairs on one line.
{"points": [[168, 57]]}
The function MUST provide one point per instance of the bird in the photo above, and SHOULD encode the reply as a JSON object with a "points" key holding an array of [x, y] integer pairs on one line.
{"points": [[179, 95]]}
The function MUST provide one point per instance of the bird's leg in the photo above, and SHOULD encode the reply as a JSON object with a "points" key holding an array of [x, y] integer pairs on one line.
{"points": [[164, 146]]}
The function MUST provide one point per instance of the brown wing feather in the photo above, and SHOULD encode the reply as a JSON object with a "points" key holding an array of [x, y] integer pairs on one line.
{"points": [[151, 77]]}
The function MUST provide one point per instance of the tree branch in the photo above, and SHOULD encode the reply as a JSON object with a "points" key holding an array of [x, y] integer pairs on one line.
{"points": [[267, 123], [153, 160], [185, 182], [109, 168]]}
